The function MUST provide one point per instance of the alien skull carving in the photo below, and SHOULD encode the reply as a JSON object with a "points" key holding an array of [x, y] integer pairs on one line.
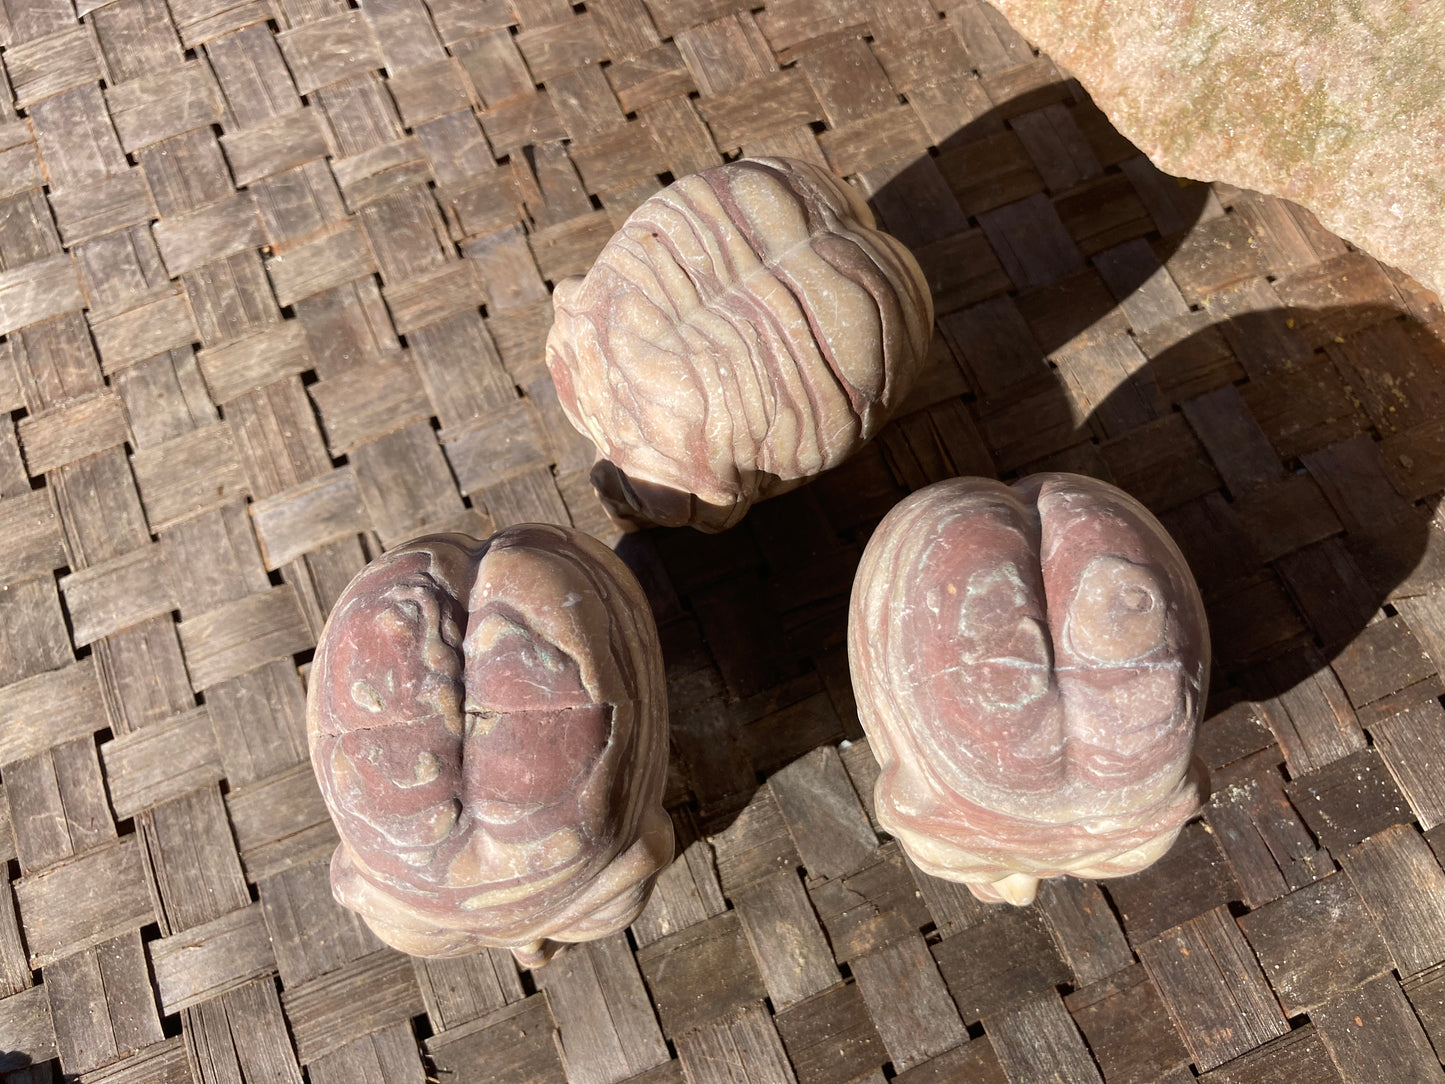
{"points": [[1030, 664], [747, 329], [488, 724]]}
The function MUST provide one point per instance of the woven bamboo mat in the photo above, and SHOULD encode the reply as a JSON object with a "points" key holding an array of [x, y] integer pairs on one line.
{"points": [[273, 290]]}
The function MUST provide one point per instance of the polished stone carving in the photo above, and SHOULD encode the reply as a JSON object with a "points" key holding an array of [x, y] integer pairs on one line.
{"points": [[488, 724], [1030, 663], [747, 329]]}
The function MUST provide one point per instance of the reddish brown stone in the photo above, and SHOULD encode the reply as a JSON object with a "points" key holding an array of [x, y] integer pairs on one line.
{"points": [[747, 329], [1030, 663], [1334, 104], [488, 724]]}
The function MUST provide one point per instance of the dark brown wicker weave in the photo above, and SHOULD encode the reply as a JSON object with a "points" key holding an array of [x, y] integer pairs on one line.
{"points": [[273, 290]]}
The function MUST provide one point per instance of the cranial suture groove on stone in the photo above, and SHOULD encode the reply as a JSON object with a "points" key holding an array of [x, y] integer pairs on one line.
{"points": [[506, 788], [1030, 663]]}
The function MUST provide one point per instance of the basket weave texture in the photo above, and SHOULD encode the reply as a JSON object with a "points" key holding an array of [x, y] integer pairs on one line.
{"points": [[274, 284]]}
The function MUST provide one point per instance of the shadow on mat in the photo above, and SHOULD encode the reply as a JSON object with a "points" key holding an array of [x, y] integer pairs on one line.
{"points": [[1297, 536]]}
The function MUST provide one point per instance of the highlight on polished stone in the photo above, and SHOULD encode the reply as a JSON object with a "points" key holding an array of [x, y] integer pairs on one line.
{"points": [[488, 725], [748, 328], [1030, 664]]}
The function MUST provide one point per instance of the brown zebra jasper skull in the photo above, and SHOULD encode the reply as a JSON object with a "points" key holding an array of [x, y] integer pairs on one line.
{"points": [[1030, 664], [488, 724], [747, 329]]}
